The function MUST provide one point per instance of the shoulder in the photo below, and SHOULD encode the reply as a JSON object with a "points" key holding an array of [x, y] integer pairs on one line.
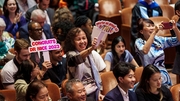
{"points": [[9, 66], [32, 8], [112, 92]]}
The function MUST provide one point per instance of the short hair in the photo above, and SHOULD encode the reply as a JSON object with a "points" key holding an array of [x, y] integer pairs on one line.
{"points": [[33, 89], [2, 23], [21, 44], [36, 13], [70, 83], [148, 71], [177, 6], [122, 69], [81, 20]]}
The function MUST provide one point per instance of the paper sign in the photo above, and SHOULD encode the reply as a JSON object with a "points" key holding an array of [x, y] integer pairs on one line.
{"points": [[102, 29], [44, 46], [107, 26]]}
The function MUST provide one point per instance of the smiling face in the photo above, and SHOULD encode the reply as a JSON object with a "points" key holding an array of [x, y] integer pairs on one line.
{"points": [[79, 92], [147, 30], [80, 41], [128, 81], [155, 81], [120, 48], [11, 6]]}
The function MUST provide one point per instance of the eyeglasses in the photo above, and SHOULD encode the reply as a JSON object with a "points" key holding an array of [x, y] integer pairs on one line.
{"points": [[37, 30]]}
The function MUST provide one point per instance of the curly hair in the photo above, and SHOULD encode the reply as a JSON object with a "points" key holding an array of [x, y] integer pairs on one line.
{"points": [[65, 26], [69, 42]]}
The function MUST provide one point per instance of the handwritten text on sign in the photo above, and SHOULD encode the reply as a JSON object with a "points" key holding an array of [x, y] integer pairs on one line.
{"points": [[44, 45]]}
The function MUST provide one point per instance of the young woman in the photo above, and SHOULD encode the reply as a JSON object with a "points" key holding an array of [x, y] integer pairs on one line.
{"points": [[84, 22], [150, 47], [83, 62], [13, 19], [118, 53], [150, 88], [27, 72], [37, 91]]}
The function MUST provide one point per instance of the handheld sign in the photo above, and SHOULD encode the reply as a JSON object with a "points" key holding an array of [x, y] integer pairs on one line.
{"points": [[103, 28], [44, 46]]}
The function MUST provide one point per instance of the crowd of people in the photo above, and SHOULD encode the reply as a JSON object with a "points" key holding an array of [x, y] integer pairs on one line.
{"points": [[25, 21]]}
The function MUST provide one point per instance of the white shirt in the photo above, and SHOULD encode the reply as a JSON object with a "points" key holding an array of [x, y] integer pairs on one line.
{"points": [[124, 94]]}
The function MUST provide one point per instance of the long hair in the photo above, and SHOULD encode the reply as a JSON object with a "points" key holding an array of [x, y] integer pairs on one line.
{"points": [[33, 89], [6, 12], [116, 59], [148, 71], [69, 41], [24, 70]]}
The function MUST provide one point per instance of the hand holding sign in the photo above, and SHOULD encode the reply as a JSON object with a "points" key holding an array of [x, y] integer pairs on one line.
{"points": [[103, 28], [44, 46]]}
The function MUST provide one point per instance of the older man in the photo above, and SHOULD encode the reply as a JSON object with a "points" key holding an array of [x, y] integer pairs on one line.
{"points": [[40, 17], [76, 91]]}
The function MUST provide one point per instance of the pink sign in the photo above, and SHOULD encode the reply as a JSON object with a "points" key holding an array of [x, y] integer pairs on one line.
{"points": [[107, 26], [44, 45]]}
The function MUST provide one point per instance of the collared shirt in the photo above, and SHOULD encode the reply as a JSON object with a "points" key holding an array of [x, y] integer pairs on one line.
{"points": [[124, 94]]}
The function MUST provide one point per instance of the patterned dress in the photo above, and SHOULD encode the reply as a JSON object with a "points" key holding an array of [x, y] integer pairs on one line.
{"points": [[156, 54]]}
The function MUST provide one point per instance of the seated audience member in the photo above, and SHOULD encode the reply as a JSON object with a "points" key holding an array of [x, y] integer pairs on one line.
{"points": [[150, 47], [62, 13], [83, 62], [84, 23], [76, 91], [118, 53], [124, 74], [143, 9], [150, 88], [13, 19], [57, 73], [37, 91], [61, 29], [35, 33], [11, 67], [27, 72], [6, 43], [44, 6], [40, 17], [24, 5]]}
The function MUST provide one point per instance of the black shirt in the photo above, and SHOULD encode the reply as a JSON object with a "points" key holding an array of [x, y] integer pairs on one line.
{"points": [[57, 73]]}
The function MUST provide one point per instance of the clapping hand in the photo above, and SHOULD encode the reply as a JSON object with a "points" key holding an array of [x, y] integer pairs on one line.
{"points": [[17, 17]]}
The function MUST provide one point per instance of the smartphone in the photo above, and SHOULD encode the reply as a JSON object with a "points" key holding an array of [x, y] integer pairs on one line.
{"points": [[167, 25]]}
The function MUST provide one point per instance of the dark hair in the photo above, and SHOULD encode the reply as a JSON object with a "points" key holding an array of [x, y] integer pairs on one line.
{"points": [[141, 25], [121, 69], [6, 12], [21, 44], [70, 83], [148, 71], [62, 14], [177, 6], [33, 89], [81, 20], [65, 26], [116, 58], [69, 42], [24, 70]]}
